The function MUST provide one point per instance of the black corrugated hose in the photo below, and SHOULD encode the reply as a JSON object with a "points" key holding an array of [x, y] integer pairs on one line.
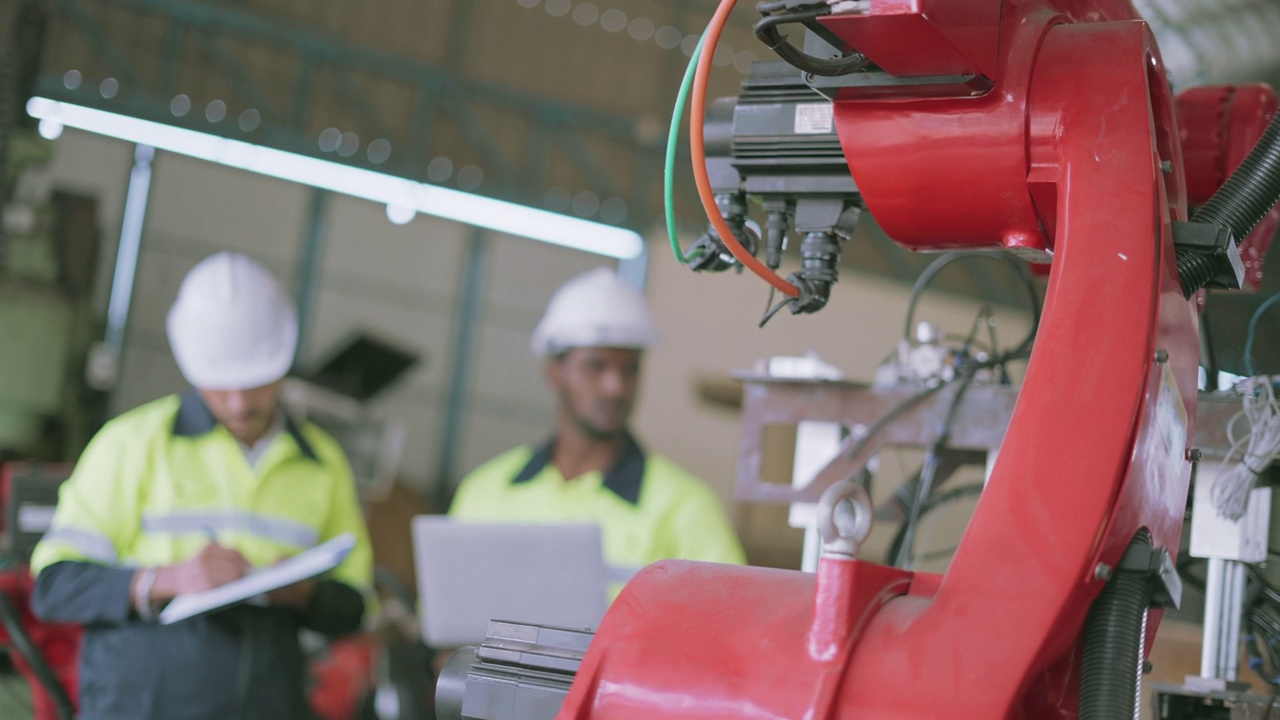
{"points": [[1113, 643], [1240, 204]]}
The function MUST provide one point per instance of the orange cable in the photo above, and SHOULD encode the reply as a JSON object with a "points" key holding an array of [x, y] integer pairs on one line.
{"points": [[698, 150]]}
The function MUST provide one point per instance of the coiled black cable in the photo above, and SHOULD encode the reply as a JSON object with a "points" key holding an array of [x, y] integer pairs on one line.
{"points": [[1239, 205], [1251, 191], [1113, 643]]}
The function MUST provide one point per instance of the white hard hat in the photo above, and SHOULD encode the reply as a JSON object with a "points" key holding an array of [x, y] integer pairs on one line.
{"points": [[232, 327], [595, 309]]}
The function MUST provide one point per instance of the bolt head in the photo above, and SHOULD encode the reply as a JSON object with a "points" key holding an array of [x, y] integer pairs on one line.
{"points": [[1102, 572]]}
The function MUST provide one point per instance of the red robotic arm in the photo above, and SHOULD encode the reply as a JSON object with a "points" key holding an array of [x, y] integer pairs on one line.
{"points": [[1047, 128]]}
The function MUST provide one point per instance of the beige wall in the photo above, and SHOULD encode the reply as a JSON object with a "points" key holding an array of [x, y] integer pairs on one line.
{"points": [[709, 327]]}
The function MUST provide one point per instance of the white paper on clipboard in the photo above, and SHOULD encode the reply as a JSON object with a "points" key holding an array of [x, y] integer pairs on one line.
{"points": [[307, 564]]}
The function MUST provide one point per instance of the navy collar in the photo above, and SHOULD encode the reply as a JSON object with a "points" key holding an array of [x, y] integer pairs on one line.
{"points": [[195, 419], [623, 479]]}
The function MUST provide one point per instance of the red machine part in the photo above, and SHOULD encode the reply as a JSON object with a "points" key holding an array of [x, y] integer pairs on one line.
{"points": [[1074, 154], [927, 38], [343, 678], [1219, 126], [58, 644], [340, 680]]}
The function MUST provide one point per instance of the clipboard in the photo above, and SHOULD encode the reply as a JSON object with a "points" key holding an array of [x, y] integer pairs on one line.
{"points": [[252, 588]]}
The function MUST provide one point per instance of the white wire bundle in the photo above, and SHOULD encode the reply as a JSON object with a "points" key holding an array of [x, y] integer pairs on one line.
{"points": [[1256, 450]]}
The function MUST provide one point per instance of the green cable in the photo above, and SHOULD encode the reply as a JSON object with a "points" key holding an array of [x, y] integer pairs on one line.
{"points": [[673, 141]]}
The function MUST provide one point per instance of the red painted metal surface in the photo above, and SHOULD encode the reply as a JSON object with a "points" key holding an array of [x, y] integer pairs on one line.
{"points": [[729, 641], [1219, 126], [924, 38], [59, 644], [343, 678], [1063, 157]]}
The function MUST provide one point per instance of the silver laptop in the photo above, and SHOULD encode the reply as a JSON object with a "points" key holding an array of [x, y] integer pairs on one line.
{"points": [[470, 573]]}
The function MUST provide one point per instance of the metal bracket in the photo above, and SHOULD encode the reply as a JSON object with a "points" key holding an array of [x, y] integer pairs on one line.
{"points": [[1215, 240], [1167, 592]]}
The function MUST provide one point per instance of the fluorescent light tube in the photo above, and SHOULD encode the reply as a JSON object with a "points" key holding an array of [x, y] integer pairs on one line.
{"points": [[463, 207]]}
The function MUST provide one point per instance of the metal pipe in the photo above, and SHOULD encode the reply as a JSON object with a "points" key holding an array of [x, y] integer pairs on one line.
{"points": [[135, 212], [1233, 607], [465, 322], [310, 264], [1223, 612], [1214, 584], [635, 271], [126, 268]]}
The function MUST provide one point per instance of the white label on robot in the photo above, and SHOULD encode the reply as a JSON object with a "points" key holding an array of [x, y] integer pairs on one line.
{"points": [[1171, 423], [814, 118]]}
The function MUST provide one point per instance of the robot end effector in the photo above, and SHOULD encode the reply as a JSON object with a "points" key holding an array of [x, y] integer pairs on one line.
{"points": [[776, 143]]}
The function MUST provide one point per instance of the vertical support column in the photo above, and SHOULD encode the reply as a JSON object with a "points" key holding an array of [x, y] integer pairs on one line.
{"points": [[475, 271], [1233, 606], [310, 262], [104, 363], [1223, 604], [635, 271], [1213, 587]]}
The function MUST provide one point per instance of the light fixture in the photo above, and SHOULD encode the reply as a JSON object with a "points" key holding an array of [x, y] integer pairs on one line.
{"points": [[471, 209], [49, 129], [400, 214]]}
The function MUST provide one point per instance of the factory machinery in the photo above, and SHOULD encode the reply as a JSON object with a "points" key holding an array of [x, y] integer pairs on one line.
{"points": [[1041, 130]]}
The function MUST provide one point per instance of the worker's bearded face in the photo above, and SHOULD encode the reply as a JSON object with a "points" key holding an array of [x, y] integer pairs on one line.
{"points": [[247, 414], [597, 388]]}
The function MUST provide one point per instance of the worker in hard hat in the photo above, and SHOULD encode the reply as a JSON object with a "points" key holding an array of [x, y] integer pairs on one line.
{"points": [[189, 493], [592, 340]]}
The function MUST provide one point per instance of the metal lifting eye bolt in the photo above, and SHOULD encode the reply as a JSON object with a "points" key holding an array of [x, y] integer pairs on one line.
{"points": [[844, 516]]}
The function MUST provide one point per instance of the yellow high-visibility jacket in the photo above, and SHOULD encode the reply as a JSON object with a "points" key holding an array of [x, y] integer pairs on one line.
{"points": [[152, 489], [647, 507]]}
